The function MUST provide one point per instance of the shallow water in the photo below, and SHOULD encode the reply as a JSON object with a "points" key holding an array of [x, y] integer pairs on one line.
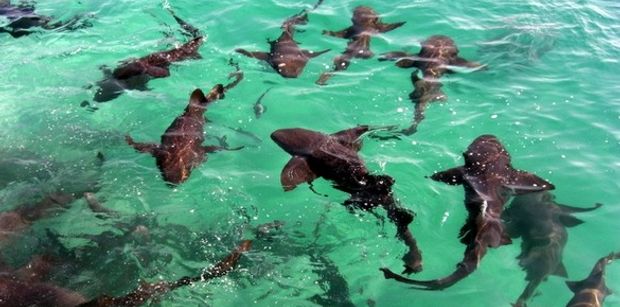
{"points": [[550, 94]]}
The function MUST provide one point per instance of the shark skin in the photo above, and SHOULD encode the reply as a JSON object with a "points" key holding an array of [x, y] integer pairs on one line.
{"points": [[488, 179]]}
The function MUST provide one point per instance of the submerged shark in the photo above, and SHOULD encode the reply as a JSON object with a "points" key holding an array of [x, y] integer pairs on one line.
{"points": [[366, 23], [22, 288], [181, 149], [541, 223], [134, 74], [16, 221], [284, 55], [438, 56], [148, 291], [334, 157], [488, 179], [22, 18], [591, 292]]}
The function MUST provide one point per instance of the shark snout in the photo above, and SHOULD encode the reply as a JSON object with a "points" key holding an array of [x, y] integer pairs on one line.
{"points": [[297, 141]]}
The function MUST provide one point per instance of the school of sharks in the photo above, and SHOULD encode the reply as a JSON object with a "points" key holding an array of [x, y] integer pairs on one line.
{"points": [[502, 203]]}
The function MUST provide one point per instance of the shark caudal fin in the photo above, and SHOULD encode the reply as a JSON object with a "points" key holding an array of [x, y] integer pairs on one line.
{"points": [[468, 265], [187, 28], [295, 172], [432, 285]]}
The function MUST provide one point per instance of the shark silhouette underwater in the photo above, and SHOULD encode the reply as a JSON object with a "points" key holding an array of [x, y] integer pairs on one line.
{"points": [[21, 289], [22, 18], [438, 55], [592, 291], [284, 55], [542, 224], [181, 149], [334, 157], [366, 23], [16, 221], [488, 179], [134, 74]]}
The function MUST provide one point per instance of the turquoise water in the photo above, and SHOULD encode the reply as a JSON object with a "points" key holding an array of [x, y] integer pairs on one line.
{"points": [[550, 94]]}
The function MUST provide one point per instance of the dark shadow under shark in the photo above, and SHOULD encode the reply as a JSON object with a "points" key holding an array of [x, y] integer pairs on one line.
{"points": [[488, 179], [591, 291], [22, 19], [366, 23], [284, 55], [181, 149], [438, 55], [134, 74], [541, 223], [334, 157]]}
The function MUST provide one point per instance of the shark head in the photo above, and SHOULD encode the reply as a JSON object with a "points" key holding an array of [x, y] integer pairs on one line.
{"points": [[485, 150]]}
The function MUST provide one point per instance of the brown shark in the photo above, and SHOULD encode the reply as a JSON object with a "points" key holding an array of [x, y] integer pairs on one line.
{"points": [[284, 55], [334, 157], [181, 149], [22, 18], [488, 179], [541, 223], [148, 291], [436, 57], [15, 222], [591, 292], [134, 74], [22, 288], [366, 23]]}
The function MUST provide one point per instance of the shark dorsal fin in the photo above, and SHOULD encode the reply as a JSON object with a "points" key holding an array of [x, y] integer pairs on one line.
{"points": [[351, 137]]}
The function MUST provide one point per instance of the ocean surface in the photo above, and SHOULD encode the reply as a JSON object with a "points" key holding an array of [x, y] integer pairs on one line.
{"points": [[550, 94]]}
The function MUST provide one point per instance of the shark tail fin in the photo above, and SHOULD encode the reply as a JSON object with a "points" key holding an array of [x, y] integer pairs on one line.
{"points": [[187, 28]]}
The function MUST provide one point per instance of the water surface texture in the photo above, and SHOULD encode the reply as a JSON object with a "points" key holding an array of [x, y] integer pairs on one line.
{"points": [[550, 93]]}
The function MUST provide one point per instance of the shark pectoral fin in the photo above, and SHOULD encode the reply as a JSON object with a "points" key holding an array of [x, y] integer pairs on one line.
{"points": [[393, 56], [385, 27], [465, 63], [453, 176], [569, 220], [520, 182], [264, 56], [157, 72], [313, 54], [560, 271], [351, 137], [295, 172], [406, 62], [341, 34], [141, 147]]}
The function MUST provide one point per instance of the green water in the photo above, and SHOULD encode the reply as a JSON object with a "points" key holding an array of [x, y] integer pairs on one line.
{"points": [[550, 94]]}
